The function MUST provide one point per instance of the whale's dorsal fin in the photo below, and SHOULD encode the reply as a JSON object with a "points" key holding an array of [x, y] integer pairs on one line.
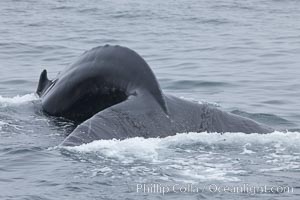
{"points": [[44, 83]]}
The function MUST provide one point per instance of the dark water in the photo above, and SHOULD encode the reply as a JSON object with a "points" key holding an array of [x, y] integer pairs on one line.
{"points": [[243, 56]]}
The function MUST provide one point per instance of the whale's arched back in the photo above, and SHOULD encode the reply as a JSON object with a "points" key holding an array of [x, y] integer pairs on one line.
{"points": [[100, 78]]}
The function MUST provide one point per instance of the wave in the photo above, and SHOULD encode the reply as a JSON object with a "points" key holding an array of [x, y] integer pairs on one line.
{"points": [[148, 148], [16, 100], [195, 157], [2, 123]]}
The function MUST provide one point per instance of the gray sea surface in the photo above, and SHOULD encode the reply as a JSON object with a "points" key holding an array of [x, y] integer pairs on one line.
{"points": [[241, 56]]}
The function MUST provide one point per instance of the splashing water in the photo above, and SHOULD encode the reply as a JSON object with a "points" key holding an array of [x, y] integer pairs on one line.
{"points": [[17, 100], [143, 148]]}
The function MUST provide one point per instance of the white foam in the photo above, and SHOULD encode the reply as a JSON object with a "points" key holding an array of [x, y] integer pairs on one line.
{"points": [[16, 100], [137, 147], [193, 157], [192, 99], [200, 101], [247, 151], [2, 124], [141, 147]]}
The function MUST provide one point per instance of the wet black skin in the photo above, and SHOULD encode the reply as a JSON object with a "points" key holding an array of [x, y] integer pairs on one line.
{"points": [[111, 92]]}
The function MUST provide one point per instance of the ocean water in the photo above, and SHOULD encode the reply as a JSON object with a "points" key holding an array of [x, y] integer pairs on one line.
{"points": [[242, 56]]}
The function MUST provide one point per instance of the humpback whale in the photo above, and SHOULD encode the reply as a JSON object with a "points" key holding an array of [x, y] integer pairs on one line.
{"points": [[112, 93]]}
